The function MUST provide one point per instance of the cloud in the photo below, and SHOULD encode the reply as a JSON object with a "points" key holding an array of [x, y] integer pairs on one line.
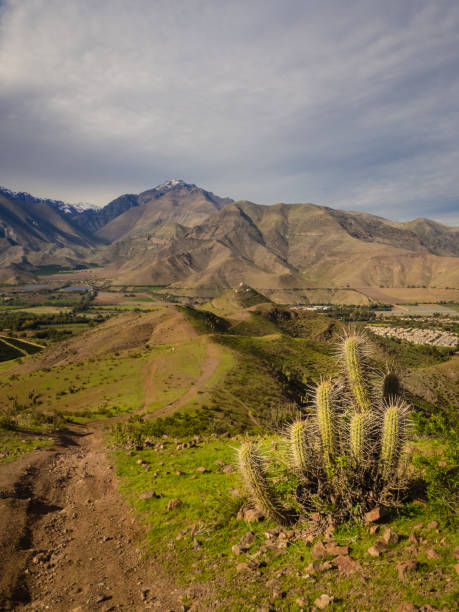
{"points": [[351, 104]]}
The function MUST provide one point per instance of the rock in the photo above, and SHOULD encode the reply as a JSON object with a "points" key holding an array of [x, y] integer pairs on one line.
{"points": [[406, 567], [141, 462], [346, 565], [271, 533], [378, 547], [418, 526], [407, 607], [302, 602], [251, 515], [374, 529], [432, 525], [179, 473], [389, 536], [242, 567], [237, 550], [202, 470], [313, 567], [333, 548], [228, 469], [219, 462], [234, 492], [375, 516], [456, 553], [318, 551], [413, 538], [323, 601], [432, 554], [456, 567], [247, 540], [326, 565], [173, 504], [150, 495]]}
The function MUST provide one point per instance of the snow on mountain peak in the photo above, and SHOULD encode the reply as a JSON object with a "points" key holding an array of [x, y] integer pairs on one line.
{"points": [[172, 184], [64, 207]]}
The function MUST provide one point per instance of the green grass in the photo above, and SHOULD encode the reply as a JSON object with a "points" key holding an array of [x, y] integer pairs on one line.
{"points": [[211, 509], [15, 444]]}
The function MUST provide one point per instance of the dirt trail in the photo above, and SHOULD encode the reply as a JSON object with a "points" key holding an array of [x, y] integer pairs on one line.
{"points": [[209, 367], [67, 540]]}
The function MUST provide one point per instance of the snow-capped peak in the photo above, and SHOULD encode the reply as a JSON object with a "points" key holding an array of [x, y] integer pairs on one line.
{"points": [[64, 207], [173, 184]]}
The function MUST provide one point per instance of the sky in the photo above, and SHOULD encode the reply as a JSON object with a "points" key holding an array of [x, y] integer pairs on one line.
{"points": [[353, 105]]}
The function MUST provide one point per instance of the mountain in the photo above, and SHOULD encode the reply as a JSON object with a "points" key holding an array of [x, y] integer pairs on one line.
{"points": [[171, 202], [180, 234], [36, 232], [298, 245]]}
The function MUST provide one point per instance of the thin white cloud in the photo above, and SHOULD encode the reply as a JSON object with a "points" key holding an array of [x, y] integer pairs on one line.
{"points": [[348, 104]]}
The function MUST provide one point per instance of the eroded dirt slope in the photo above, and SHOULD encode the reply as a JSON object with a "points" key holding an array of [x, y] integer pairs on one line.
{"points": [[67, 541]]}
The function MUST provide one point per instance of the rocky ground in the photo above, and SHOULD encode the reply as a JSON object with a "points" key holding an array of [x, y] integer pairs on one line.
{"points": [[67, 541]]}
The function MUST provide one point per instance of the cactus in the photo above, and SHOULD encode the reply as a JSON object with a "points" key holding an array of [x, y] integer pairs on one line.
{"points": [[393, 431], [253, 474], [353, 348], [298, 445], [390, 385], [358, 431], [348, 453], [326, 421]]}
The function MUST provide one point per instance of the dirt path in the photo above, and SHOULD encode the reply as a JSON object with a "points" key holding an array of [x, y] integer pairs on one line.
{"points": [[209, 367], [67, 540]]}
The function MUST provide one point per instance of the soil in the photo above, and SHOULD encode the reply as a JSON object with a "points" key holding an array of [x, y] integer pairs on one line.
{"points": [[67, 540]]}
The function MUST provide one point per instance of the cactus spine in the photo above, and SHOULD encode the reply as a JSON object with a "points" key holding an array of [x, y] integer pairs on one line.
{"points": [[253, 474], [325, 421], [354, 360], [390, 443], [298, 446]]}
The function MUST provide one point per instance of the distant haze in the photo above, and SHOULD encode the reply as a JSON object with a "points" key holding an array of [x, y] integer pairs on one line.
{"points": [[352, 104]]}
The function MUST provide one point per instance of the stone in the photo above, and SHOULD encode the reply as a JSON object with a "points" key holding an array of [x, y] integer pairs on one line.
{"points": [[333, 548], [228, 469], [237, 550], [202, 470], [407, 607], [389, 536], [302, 602], [378, 547], [242, 567], [271, 533], [318, 551], [313, 567], [413, 538], [418, 526], [149, 495], [374, 529], [456, 567], [219, 462], [251, 515], [456, 553], [432, 525], [247, 540], [432, 554], [346, 565], [173, 504], [375, 516], [404, 568], [323, 601], [179, 473]]}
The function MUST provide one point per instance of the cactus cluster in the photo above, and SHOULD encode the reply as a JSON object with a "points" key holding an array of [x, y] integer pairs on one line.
{"points": [[347, 452]]}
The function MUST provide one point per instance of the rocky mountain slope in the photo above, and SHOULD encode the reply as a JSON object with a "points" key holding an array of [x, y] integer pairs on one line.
{"points": [[299, 245], [178, 233]]}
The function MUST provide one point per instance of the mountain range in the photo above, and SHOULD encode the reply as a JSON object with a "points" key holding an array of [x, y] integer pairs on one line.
{"points": [[180, 234]]}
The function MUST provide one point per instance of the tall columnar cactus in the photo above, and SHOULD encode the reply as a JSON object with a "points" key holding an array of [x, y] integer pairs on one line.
{"points": [[358, 433], [390, 385], [354, 350], [393, 434], [298, 445], [254, 476], [325, 411]]}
